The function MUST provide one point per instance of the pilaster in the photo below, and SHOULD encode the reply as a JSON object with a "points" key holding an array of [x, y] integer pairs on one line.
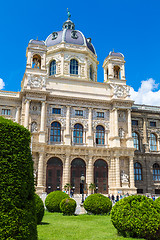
{"points": [[42, 125]]}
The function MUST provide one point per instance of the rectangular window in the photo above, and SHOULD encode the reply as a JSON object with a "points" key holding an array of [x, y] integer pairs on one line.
{"points": [[56, 110], [78, 112], [6, 112], [134, 122], [100, 114], [152, 124]]}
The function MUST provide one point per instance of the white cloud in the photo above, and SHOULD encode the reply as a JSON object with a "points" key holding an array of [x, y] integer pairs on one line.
{"points": [[2, 84], [146, 94]]}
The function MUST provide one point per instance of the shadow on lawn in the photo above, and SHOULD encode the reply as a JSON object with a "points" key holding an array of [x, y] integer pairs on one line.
{"points": [[44, 223]]}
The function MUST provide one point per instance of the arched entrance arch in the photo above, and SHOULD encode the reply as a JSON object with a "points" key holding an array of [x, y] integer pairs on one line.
{"points": [[54, 174], [78, 168], [101, 176]]}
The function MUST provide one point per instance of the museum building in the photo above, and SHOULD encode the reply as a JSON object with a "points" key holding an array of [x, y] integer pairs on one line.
{"points": [[82, 127]]}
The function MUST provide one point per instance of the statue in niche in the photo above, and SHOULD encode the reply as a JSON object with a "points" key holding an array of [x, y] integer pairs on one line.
{"points": [[124, 177], [36, 62], [34, 127], [121, 133]]}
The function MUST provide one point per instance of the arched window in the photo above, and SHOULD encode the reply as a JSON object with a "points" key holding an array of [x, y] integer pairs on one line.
{"points": [[78, 134], [153, 142], [156, 172], [55, 134], [91, 73], [137, 171], [36, 63], [74, 67], [100, 135], [117, 72], [136, 140], [52, 69]]}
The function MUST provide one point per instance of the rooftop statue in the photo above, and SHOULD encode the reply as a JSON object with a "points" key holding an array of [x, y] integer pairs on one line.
{"points": [[68, 13]]}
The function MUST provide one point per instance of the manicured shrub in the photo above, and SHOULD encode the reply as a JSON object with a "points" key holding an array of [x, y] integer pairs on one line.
{"points": [[53, 200], [17, 203], [136, 216], [97, 204], [68, 206], [39, 208]]}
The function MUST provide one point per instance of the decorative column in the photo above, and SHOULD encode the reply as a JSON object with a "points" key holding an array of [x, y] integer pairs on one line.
{"points": [[26, 120], [89, 177], [40, 172], [17, 115], [117, 172], [67, 133], [129, 124], [62, 63], [66, 171], [90, 122], [68, 121], [115, 122], [42, 116], [131, 172]]}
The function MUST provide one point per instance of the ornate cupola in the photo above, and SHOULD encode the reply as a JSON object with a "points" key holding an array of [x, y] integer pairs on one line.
{"points": [[114, 70]]}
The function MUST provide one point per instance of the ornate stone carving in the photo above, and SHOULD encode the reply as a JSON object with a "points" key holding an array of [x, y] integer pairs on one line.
{"points": [[66, 68], [100, 122], [82, 121], [120, 91], [59, 119], [35, 81]]}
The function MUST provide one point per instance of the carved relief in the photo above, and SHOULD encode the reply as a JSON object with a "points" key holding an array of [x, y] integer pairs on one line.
{"points": [[100, 122], [66, 68], [120, 91], [82, 121], [59, 119], [58, 68], [35, 81]]}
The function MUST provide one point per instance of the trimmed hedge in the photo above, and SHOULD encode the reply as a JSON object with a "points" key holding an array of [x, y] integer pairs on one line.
{"points": [[68, 206], [17, 206], [97, 204], [136, 216], [39, 208], [53, 200]]}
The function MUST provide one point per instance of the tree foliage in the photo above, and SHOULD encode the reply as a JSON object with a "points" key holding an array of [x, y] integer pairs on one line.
{"points": [[17, 206]]}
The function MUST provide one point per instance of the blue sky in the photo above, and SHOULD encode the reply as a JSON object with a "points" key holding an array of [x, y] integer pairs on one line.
{"points": [[130, 27]]}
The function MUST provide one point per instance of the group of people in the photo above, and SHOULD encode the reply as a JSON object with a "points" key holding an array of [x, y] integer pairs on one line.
{"points": [[116, 198]]}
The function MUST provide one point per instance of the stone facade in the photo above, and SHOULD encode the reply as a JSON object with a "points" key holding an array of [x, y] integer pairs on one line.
{"points": [[80, 126]]}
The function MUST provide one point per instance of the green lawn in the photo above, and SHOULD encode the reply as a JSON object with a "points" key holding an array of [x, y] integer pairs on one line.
{"points": [[55, 226]]}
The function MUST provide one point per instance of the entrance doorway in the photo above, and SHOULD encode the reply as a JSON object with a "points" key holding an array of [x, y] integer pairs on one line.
{"points": [[78, 168], [54, 174], [101, 176]]}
